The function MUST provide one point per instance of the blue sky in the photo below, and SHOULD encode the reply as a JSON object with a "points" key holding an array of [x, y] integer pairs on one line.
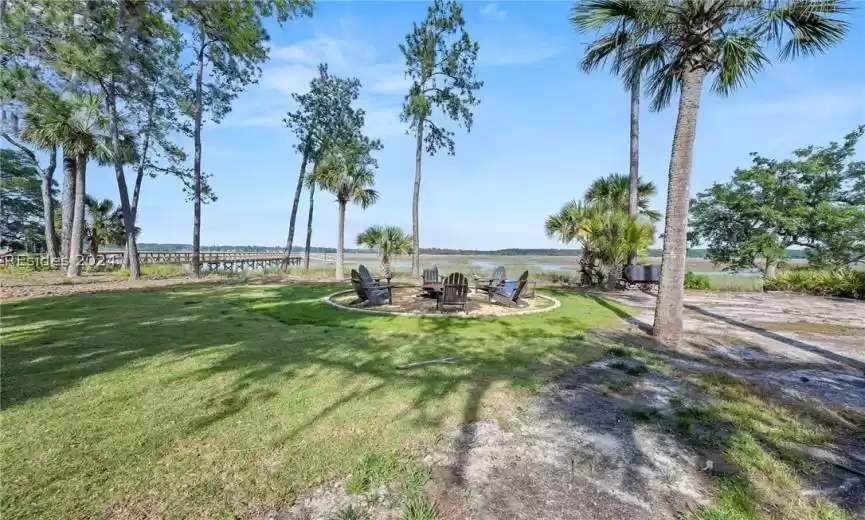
{"points": [[543, 131]]}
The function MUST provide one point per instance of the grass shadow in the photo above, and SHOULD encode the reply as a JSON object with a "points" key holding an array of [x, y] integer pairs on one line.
{"points": [[253, 391]]}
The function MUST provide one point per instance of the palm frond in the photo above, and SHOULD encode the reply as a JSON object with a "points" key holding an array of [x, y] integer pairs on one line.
{"points": [[595, 14], [660, 86], [390, 241], [740, 58], [610, 47], [809, 24]]}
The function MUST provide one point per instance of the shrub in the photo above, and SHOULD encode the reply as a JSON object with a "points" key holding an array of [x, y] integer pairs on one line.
{"points": [[697, 281], [843, 282]]}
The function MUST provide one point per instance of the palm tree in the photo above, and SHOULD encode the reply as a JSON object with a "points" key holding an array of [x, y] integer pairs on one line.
{"points": [[677, 46], [104, 225], [614, 191], [614, 236], [389, 241], [607, 234], [611, 47], [77, 123], [349, 175]]}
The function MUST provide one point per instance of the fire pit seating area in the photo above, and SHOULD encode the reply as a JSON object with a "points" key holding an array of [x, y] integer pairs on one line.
{"points": [[443, 295]]}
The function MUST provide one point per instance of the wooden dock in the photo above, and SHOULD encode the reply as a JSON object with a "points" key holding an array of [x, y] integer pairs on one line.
{"points": [[211, 261]]}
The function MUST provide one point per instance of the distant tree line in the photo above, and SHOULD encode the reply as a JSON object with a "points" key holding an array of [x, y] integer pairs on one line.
{"points": [[654, 253]]}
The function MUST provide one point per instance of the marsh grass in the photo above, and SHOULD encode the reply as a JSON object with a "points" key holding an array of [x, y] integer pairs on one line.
{"points": [[736, 283]]}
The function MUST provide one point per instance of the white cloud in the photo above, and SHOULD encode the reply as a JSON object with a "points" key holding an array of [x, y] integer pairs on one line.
{"points": [[340, 54], [516, 48], [345, 57], [395, 82], [292, 67], [492, 10], [383, 122], [288, 79]]}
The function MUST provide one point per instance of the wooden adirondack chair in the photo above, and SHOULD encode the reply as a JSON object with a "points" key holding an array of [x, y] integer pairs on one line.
{"points": [[455, 292], [431, 282], [376, 293], [487, 284], [499, 295], [357, 286]]}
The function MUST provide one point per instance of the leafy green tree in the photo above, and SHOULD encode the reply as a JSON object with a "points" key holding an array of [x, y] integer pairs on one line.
{"points": [[676, 46], [17, 89], [440, 60], [21, 200], [348, 173], [614, 191], [815, 200], [341, 129], [229, 43], [155, 121], [389, 241], [96, 48], [324, 116]]}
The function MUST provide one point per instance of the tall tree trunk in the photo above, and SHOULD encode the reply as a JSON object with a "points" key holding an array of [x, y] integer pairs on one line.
{"points": [[309, 227], [76, 241], [340, 242], [51, 243], [415, 205], [634, 168], [67, 203], [125, 206], [293, 219], [671, 290], [139, 179], [196, 190]]}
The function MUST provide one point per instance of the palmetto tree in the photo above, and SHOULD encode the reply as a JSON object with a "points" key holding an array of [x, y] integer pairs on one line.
{"points": [[104, 224], [389, 241], [606, 234], [76, 123], [614, 191], [677, 46], [349, 175], [614, 236], [610, 48]]}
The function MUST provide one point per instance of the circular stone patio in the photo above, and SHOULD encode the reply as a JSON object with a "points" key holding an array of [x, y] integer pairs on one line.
{"points": [[411, 301]]}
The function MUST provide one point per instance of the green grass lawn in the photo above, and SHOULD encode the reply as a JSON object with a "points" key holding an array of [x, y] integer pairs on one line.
{"points": [[219, 402]]}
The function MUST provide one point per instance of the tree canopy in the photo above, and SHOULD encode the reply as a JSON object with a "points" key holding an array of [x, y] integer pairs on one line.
{"points": [[814, 200], [21, 200]]}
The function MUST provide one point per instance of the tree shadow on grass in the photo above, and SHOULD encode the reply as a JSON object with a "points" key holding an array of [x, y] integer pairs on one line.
{"points": [[752, 436], [802, 345], [235, 356]]}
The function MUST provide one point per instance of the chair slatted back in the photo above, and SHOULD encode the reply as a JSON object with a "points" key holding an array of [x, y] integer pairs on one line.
{"points": [[498, 275], [356, 285], [521, 285], [431, 275], [455, 289], [365, 278]]}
